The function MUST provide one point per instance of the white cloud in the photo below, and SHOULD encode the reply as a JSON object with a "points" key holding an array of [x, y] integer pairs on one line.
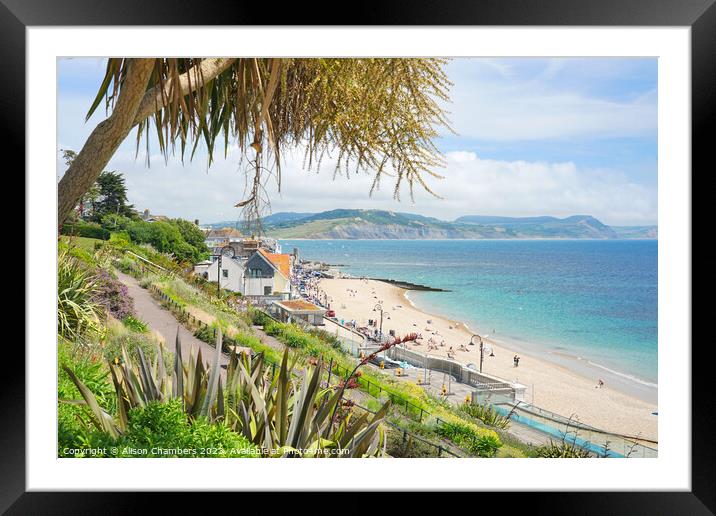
{"points": [[510, 100], [493, 101], [471, 185], [509, 114]]}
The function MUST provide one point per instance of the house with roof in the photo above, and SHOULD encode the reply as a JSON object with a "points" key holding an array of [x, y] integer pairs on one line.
{"points": [[221, 237], [149, 217], [230, 275], [268, 274], [297, 310]]}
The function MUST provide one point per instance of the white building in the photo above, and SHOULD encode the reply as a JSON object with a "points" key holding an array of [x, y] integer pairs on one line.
{"points": [[298, 309], [268, 274], [217, 238], [232, 272]]}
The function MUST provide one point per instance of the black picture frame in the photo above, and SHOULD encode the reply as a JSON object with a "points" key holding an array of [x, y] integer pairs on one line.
{"points": [[700, 15]]}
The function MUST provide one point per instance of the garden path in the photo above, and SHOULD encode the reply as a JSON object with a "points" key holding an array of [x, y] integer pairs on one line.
{"points": [[163, 322]]}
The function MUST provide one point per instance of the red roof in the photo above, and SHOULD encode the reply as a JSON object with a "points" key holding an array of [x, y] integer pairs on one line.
{"points": [[281, 261], [299, 304]]}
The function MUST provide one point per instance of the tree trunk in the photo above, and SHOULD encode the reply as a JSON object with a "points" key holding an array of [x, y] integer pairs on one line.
{"points": [[134, 105], [104, 140]]}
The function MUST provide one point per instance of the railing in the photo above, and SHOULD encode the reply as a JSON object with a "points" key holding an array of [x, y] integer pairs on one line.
{"points": [[490, 386], [594, 440], [333, 369], [376, 390], [439, 448]]}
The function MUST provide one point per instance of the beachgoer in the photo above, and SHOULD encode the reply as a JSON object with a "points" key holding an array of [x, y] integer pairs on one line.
{"points": [[517, 361], [514, 361], [600, 384]]}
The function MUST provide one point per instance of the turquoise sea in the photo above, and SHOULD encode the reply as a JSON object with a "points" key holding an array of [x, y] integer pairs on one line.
{"points": [[593, 300]]}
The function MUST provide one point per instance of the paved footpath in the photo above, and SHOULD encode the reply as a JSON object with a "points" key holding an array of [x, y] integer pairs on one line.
{"points": [[163, 322]]}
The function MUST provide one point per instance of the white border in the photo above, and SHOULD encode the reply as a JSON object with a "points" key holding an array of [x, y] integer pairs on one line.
{"points": [[671, 471]]}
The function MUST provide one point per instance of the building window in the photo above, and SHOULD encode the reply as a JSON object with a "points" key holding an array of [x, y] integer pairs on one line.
{"points": [[225, 273], [267, 291], [255, 273]]}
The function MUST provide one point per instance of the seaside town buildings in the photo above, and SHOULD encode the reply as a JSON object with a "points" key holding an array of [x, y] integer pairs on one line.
{"points": [[252, 266]]}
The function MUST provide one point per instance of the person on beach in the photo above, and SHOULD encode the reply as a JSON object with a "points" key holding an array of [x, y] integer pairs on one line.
{"points": [[600, 384], [517, 360]]}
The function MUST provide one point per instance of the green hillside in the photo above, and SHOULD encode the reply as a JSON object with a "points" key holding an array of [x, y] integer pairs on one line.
{"points": [[382, 224]]}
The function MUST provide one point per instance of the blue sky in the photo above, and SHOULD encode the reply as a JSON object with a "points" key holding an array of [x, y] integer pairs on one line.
{"points": [[557, 136]]}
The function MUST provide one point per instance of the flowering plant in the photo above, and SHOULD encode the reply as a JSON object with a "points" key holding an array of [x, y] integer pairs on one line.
{"points": [[113, 296]]}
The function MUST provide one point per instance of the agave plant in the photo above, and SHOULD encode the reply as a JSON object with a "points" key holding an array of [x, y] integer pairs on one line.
{"points": [[78, 313], [291, 414], [287, 415], [486, 414], [136, 385]]}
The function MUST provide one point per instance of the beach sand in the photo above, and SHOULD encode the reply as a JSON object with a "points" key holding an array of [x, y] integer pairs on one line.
{"points": [[554, 387]]}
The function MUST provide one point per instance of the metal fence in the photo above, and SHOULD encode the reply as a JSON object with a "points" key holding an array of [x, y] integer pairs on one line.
{"points": [[376, 390], [406, 434], [561, 428]]}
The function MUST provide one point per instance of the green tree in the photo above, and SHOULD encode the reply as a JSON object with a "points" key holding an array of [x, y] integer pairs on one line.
{"points": [[191, 233], [379, 115], [112, 197], [114, 222], [166, 237]]}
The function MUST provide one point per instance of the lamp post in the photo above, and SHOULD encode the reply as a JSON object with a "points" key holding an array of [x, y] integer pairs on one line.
{"points": [[482, 348], [225, 251], [379, 308], [218, 276]]}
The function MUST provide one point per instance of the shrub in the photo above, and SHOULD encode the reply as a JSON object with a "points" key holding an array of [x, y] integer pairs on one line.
{"points": [[77, 292], [485, 445], [120, 238], [73, 427], [118, 335], [291, 335], [259, 318], [486, 414], [166, 237], [401, 445], [112, 295], [163, 430], [562, 450], [135, 324], [85, 229], [205, 334], [128, 266], [114, 222]]}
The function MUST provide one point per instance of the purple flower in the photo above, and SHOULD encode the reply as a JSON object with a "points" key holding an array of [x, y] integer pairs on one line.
{"points": [[113, 296]]}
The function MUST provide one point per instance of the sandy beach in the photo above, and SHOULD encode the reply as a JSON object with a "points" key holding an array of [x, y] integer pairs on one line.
{"points": [[616, 407]]}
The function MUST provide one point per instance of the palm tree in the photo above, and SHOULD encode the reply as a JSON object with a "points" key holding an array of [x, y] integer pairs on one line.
{"points": [[379, 115]]}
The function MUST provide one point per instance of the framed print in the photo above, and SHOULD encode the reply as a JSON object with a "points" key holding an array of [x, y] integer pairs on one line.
{"points": [[449, 245]]}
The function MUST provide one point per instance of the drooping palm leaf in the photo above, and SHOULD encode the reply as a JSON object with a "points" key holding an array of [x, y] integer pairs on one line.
{"points": [[377, 115]]}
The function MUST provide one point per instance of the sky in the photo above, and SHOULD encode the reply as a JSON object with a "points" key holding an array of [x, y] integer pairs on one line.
{"points": [[557, 136]]}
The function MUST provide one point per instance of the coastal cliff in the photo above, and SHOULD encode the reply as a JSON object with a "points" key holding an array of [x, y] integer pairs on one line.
{"points": [[381, 224]]}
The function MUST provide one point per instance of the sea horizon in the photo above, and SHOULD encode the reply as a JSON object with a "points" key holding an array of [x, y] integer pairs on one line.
{"points": [[578, 302]]}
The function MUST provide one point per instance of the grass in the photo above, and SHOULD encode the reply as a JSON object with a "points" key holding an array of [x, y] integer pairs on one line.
{"points": [[309, 229], [494, 441], [84, 243]]}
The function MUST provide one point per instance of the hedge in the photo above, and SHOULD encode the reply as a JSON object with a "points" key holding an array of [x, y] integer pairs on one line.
{"points": [[85, 229]]}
